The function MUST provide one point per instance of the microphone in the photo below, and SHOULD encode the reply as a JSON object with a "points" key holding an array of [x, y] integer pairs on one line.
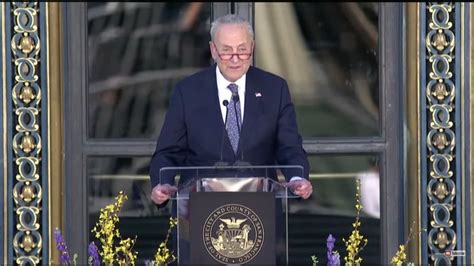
{"points": [[241, 162], [221, 162]]}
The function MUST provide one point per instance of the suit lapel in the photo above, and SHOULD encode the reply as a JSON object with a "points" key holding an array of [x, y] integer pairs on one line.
{"points": [[213, 101], [251, 109]]}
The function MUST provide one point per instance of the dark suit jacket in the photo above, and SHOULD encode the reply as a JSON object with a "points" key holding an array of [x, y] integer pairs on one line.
{"points": [[193, 128]]}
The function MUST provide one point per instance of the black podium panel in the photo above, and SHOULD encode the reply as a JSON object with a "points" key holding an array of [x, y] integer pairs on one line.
{"points": [[232, 228]]}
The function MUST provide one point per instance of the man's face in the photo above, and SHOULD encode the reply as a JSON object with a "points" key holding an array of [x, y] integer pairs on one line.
{"points": [[230, 40]]}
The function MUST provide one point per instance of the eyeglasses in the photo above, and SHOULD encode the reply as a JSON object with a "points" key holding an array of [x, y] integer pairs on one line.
{"points": [[227, 57]]}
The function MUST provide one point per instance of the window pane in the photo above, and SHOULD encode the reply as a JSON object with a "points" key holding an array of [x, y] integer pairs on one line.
{"points": [[137, 52], [331, 208], [328, 52], [110, 175]]}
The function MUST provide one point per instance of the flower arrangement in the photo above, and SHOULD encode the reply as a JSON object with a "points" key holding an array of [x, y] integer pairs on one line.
{"points": [[113, 249], [122, 254], [354, 244], [357, 242]]}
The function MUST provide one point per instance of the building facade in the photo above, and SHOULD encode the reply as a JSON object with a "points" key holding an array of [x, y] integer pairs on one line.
{"points": [[382, 93]]}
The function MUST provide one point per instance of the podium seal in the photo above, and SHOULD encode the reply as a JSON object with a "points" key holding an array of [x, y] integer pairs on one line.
{"points": [[233, 234]]}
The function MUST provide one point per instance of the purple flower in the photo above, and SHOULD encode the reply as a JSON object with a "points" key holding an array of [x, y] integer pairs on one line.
{"points": [[61, 246], [333, 256], [333, 259], [330, 243], [93, 254]]}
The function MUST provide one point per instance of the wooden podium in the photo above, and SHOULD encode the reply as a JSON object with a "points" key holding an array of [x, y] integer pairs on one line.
{"points": [[232, 215]]}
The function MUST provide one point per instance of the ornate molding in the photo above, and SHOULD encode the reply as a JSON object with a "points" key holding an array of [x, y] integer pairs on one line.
{"points": [[440, 93], [26, 141]]}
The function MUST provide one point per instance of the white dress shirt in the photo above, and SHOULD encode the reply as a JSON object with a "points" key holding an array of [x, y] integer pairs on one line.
{"points": [[225, 93]]}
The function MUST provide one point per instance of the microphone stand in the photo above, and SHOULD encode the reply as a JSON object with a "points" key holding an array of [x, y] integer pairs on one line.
{"points": [[221, 162]]}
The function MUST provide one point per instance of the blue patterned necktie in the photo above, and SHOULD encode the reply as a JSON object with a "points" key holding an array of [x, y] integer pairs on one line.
{"points": [[233, 128]]}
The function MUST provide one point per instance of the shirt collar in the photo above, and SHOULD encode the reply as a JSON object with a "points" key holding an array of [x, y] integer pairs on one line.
{"points": [[223, 82]]}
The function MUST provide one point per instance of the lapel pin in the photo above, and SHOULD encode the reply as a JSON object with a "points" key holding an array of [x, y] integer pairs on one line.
{"points": [[258, 94]]}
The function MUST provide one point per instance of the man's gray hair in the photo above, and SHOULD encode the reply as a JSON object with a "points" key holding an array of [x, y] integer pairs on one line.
{"points": [[230, 19]]}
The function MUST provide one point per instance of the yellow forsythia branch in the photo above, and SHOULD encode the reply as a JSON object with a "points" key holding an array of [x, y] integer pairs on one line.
{"points": [[163, 255], [356, 241], [106, 232], [400, 256]]}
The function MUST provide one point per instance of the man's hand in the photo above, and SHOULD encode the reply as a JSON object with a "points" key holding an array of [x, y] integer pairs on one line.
{"points": [[301, 187], [162, 193]]}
